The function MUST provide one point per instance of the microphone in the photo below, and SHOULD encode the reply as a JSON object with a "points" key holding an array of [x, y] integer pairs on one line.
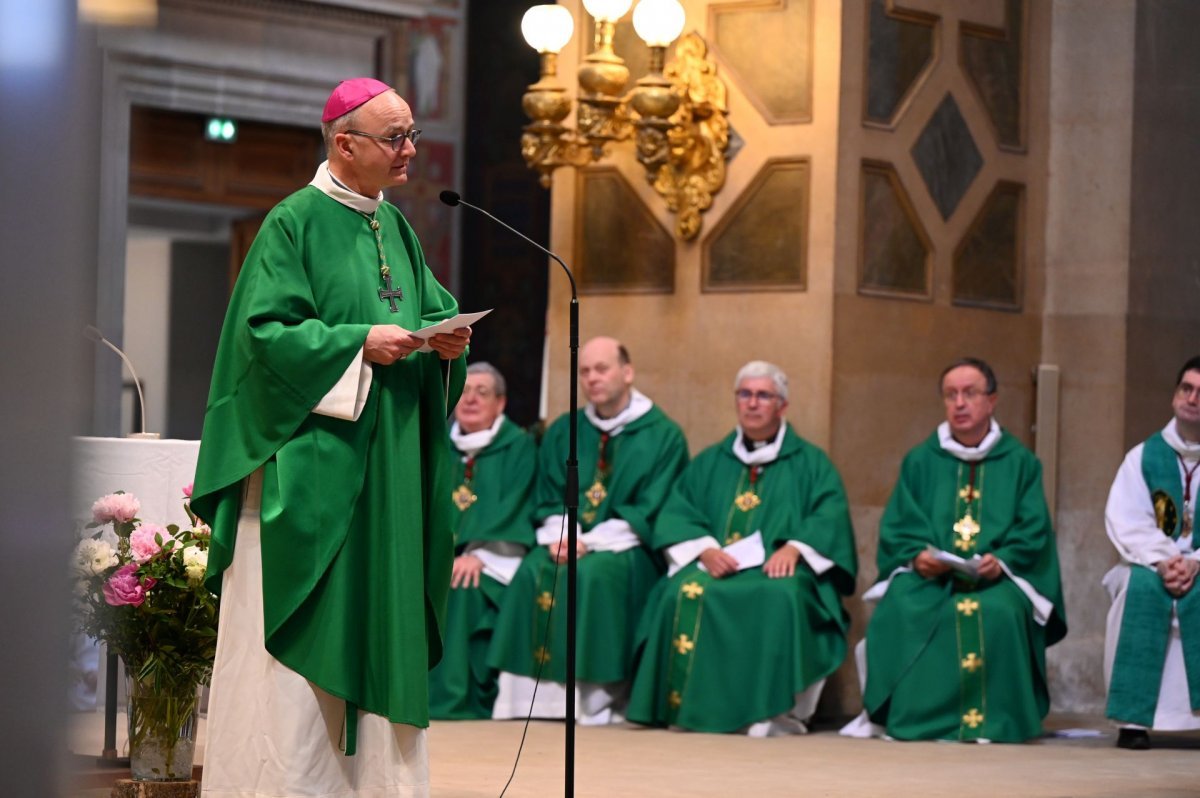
{"points": [[93, 334], [453, 199]]}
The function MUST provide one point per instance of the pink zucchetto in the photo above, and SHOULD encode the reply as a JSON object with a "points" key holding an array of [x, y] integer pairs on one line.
{"points": [[350, 94]]}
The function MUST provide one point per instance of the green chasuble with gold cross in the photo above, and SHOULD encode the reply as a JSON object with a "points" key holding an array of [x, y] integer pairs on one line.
{"points": [[717, 655], [949, 658], [356, 515], [631, 483], [493, 499]]}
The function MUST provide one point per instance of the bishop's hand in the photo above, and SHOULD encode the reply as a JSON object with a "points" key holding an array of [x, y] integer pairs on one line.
{"points": [[929, 566], [387, 343], [719, 563], [451, 345]]}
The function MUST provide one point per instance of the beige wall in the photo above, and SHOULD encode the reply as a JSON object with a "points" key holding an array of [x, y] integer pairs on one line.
{"points": [[687, 346]]}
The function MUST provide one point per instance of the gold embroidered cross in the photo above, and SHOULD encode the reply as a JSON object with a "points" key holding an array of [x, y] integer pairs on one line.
{"points": [[675, 699], [747, 501], [972, 663], [692, 589], [966, 528], [463, 497], [973, 718], [596, 493], [733, 538], [967, 606], [682, 644], [545, 601], [541, 655], [969, 494]]}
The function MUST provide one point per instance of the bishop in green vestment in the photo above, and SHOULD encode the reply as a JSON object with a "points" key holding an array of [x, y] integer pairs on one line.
{"points": [[1152, 645], [494, 466], [630, 453], [952, 655], [321, 390], [743, 633]]}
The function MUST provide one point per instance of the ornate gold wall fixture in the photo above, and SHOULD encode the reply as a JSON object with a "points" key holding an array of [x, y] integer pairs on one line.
{"points": [[677, 115]]}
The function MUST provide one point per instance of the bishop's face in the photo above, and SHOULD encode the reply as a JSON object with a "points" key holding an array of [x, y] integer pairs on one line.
{"points": [[759, 408], [479, 406], [1186, 403], [373, 164], [969, 406]]}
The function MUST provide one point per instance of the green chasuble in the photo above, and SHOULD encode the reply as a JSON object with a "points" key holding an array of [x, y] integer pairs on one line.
{"points": [[631, 483], [949, 658], [717, 655], [356, 515], [493, 494]]}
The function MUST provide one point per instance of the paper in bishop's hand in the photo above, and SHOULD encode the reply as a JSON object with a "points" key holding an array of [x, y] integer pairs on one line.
{"points": [[448, 326], [749, 552], [969, 567]]}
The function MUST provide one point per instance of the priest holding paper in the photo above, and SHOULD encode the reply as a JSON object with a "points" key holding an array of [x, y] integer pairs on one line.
{"points": [[323, 472], [494, 466], [1152, 649], [749, 622], [951, 656]]}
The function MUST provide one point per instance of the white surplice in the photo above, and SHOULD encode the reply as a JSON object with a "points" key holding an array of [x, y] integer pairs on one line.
{"points": [[1130, 520]]}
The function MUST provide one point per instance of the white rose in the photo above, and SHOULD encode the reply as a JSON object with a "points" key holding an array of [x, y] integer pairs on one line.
{"points": [[195, 563], [93, 557]]}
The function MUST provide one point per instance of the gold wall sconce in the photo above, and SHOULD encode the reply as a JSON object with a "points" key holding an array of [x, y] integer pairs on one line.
{"points": [[676, 115]]}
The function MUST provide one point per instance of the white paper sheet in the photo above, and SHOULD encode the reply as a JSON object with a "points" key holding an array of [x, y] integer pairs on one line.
{"points": [[447, 326], [969, 567]]}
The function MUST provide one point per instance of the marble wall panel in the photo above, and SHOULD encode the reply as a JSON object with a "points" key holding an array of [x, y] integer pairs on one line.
{"points": [[894, 249], [622, 246], [993, 60], [987, 265], [767, 47], [761, 244], [900, 49]]}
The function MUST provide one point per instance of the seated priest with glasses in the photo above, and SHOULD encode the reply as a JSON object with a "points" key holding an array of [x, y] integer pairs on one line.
{"points": [[494, 466], [749, 623], [969, 591], [629, 455]]}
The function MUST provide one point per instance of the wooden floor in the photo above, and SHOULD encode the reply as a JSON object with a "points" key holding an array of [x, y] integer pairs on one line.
{"points": [[473, 759]]}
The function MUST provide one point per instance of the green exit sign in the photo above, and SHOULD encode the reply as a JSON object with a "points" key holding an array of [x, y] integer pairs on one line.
{"points": [[222, 130]]}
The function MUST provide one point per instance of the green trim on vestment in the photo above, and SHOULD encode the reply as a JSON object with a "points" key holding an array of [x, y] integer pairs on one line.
{"points": [[1160, 469], [356, 526]]}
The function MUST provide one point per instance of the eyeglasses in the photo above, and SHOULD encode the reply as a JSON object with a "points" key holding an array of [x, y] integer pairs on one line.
{"points": [[967, 394], [745, 395], [396, 141], [481, 392]]}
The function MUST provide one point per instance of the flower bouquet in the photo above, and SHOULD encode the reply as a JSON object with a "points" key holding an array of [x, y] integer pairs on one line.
{"points": [[139, 588]]}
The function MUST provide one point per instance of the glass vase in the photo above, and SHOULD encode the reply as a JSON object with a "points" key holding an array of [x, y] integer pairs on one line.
{"points": [[162, 729]]}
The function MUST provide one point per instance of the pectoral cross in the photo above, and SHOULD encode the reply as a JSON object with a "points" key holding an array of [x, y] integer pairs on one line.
{"points": [[389, 295]]}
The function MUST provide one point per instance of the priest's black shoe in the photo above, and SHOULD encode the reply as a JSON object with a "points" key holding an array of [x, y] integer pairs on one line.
{"points": [[1133, 739]]}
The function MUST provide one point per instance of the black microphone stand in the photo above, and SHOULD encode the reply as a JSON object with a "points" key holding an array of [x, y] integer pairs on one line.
{"points": [[571, 492]]}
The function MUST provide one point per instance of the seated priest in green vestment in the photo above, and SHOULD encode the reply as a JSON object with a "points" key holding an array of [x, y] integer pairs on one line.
{"points": [[742, 633], [630, 453], [1152, 649], [323, 472], [969, 591], [494, 466]]}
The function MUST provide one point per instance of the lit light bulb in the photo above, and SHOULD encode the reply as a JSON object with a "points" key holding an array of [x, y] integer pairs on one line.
{"points": [[607, 10], [658, 22], [547, 28]]}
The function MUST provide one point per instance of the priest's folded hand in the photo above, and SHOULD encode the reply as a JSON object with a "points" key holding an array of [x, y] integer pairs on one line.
{"points": [[989, 568], [387, 343], [719, 563], [929, 566], [466, 571], [782, 563]]}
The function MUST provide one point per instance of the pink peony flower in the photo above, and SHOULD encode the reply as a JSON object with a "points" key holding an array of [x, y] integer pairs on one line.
{"points": [[142, 544], [202, 530], [187, 490], [115, 508], [123, 587]]}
